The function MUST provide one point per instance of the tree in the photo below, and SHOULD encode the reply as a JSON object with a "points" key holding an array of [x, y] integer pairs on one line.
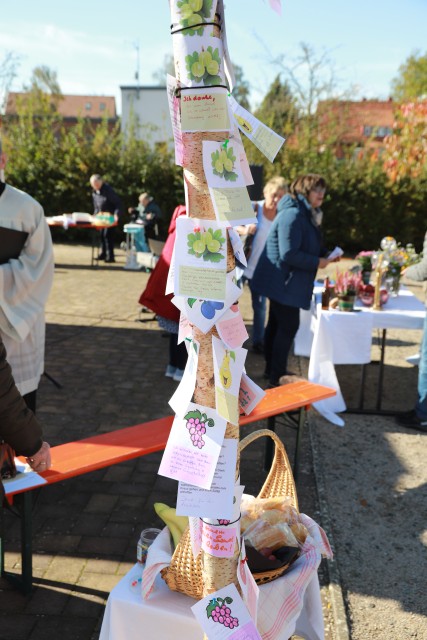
{"points": [[241, 87], [278, 109], [8, 69], [411, 81], [168, 67]]}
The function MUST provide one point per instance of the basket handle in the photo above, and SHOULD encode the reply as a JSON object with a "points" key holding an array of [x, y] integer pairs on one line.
{"points": [[280, 479]]}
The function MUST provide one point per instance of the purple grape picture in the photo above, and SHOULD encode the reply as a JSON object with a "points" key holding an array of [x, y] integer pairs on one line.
{"points": [[218, 610], [197, 423]]}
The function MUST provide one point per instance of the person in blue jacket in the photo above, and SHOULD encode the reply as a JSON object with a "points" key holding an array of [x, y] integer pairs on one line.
{"points": [[287, 268]]}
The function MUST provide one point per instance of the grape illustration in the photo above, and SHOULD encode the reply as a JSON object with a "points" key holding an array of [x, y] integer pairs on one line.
{"points": [[219, 612], [223, 163], [203, 66], [196, 425], [193, 14], [206, 244]]}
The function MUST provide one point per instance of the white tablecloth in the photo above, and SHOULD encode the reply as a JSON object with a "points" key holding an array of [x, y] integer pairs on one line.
{"points": [[345, 338], [291, 604]]}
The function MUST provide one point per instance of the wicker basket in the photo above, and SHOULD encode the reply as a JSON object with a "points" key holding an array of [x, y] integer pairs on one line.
{"points": [[184, 574]]}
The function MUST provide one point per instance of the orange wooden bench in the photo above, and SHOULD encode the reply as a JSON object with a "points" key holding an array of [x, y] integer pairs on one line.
{"points": [[99, 451]]}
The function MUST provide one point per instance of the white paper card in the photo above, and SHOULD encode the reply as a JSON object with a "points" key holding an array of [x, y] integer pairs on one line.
{"points": [[218, 501], [184, 392], [237, 245], [25, 478], [200, 259], [335, 253], [193, 446], [199, 59], [228, 369], [268, 142], [221, 164], [223, 615], [174, 112]]}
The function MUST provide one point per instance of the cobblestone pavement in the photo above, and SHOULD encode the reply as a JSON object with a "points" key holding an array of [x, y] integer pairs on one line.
{"points": [[109, 359]]}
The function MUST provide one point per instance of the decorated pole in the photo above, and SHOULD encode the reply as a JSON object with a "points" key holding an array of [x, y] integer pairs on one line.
{"points": [[217, 572]]}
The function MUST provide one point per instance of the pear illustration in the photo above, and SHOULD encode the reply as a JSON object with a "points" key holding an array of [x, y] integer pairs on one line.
{"points": [[225, 371]]}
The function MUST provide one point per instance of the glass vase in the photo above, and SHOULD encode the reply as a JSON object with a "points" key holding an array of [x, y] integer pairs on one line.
{"points": [[393, 278]]}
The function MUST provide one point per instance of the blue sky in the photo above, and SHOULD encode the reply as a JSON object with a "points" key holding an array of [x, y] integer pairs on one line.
{"points": [[92, 47]]}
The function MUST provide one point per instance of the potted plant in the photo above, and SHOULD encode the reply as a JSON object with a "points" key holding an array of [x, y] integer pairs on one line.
{"points": [[347, 285], [365, 260]]}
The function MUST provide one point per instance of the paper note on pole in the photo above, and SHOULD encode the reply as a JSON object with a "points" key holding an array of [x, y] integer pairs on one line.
{"points": [[205, 110], [173, 101], [225, 605], [216, 502], [200, 259], [268, 142], [193, 446]]}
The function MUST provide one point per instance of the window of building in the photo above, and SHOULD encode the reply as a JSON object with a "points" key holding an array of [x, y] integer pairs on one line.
{"points": [[88, 106], [102, 106], [367, 130]]}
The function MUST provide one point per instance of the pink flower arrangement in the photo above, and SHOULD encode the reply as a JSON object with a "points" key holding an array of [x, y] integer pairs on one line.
{"points": [[365, 260], [347, 283]]}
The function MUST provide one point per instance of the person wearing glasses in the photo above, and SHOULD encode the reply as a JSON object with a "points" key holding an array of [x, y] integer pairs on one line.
{"points": [[287, 268]]}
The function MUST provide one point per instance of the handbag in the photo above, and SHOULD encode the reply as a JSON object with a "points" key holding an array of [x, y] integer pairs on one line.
{"points": [[7, 461]]}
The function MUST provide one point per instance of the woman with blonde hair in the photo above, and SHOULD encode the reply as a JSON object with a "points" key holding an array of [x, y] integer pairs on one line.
{"points": [[287, 268], [265, 211]]}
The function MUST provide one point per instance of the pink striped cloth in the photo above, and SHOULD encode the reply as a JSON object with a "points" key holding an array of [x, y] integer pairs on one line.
{"points": [[158, 557], [292, 603]]}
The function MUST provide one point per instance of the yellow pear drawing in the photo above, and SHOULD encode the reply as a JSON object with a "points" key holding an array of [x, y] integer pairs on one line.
{"points": [[225, 371]]}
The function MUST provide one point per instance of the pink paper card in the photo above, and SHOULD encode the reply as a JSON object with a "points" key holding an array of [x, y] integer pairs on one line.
{"points": [[250, 589], [231, 328], [193, 447], [250, 394], [219, 541], [223, 615], [196, 525]]}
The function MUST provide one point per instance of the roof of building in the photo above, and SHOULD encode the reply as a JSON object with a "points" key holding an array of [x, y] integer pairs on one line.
{"points": [[358, 118], [72, 106]]}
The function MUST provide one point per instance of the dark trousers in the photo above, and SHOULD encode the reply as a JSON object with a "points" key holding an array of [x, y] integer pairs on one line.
{"points": [[107, 242], [31, 400], [282, 326], [177, 352]]}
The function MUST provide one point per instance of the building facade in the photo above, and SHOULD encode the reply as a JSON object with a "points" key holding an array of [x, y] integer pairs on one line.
{"points": [[145, 111]]}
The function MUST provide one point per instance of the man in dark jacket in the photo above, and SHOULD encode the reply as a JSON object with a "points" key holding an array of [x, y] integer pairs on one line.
{"points": [[105, 199], [18, 425]]}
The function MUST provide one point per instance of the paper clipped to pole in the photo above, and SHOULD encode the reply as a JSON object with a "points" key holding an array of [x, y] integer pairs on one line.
{"points": [[268, 141]]}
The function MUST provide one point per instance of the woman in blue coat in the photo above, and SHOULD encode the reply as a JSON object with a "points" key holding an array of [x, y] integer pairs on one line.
{"points": [[287, 268]]}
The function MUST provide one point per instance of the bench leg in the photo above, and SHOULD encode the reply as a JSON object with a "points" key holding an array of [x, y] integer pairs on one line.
{"points": [[23, 582], [300, 429]]}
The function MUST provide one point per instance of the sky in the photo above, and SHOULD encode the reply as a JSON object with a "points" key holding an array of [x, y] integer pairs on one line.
{"points": [[92, 45]]}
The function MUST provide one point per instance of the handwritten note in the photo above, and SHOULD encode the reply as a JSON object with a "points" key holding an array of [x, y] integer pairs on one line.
{"points": [[194, 446], [218, 501], [200, 259], [232, 206], [218, 541], [205, 111], [228, 601], [232, 329], [250, 394], [268, 142], [237, 244]]}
